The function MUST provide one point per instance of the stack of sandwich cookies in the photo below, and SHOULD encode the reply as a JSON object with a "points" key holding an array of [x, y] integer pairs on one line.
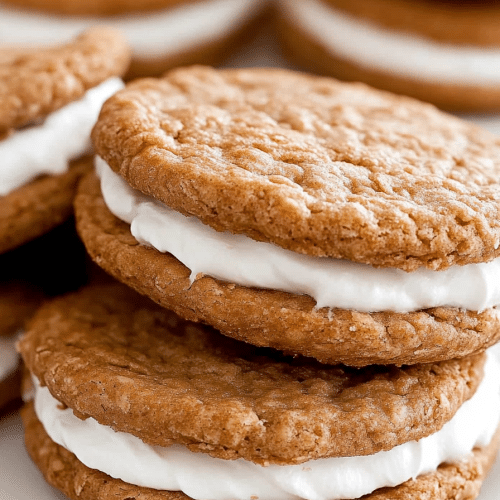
{"points": [[131, 401], [50, 99], [236, 198], [290, 211], [162, 33], [444, 52]]}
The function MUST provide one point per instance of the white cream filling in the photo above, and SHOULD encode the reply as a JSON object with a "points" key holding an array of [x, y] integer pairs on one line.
{"points": [[9, 358], [200, 476], [151, 35], [403, 54], [331, 282], [49, 147]]}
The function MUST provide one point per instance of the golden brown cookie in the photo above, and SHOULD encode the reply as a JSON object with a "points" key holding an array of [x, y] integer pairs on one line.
{"points": [[442, 33], [311, 164], [285, 321], [110, 354], [36, 82], [65, 472]]}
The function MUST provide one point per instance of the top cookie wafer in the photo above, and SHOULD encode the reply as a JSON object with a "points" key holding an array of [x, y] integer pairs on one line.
{"points": [[313, 165], [34, 83]]}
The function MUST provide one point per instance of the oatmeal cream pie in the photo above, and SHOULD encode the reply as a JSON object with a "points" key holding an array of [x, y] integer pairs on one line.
{"points": [[162, 33], [49, 101], [320, 218], [442, 51], [132, 401]]}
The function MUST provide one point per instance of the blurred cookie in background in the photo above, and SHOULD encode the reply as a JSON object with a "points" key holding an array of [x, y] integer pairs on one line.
{"points": [[443, 52], [163, 33]]}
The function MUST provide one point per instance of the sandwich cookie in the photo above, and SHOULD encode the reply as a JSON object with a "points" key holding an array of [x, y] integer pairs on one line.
{"points": [[49, 101], [162, 33], [297, 212], [130, 399], [444, 52]]}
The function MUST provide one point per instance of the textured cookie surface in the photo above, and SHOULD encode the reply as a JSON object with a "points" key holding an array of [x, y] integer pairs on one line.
{"points": [[311, 164], [118, 357], [37, 207], [64, 471], [276, 319], [33, 83], [96, 7]]}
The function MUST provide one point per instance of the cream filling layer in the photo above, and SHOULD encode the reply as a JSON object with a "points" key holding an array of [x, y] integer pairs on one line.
{"points": [[9, 358], [49, 147], [331, 282], [151, 35], [200, 476], [397, 52]]}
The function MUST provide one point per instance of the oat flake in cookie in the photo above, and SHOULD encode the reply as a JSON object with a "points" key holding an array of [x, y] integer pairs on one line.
{"points": [[297, 212], [444, 52], [199, 413]]}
